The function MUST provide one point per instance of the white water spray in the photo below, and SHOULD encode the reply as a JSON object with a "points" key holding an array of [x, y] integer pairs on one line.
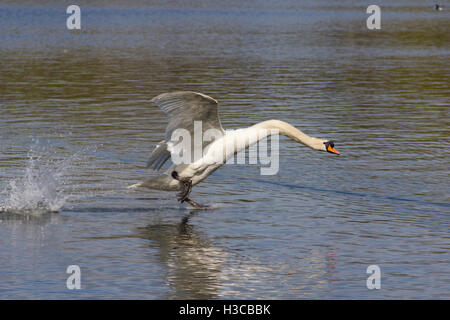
{"points": [[41, 188]]}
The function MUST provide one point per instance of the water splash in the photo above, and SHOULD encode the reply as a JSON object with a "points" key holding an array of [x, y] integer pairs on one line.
{"points": [[42, 186]]}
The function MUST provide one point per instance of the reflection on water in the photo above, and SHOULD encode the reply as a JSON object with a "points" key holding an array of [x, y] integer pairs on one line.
{"points": [[196, 269], [193, 264], [308, 232]]}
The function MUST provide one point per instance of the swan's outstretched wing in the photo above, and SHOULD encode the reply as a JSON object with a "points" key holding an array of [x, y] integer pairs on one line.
{"points": [[183, 109]]}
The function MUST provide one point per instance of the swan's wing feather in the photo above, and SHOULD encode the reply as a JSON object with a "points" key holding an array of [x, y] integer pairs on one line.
{"points": [[159, 156], [185, 107], [161, 160]]}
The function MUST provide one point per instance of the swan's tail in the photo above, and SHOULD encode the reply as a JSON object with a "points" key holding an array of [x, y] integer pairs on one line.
{"points": [[161, 182], [135, 186]]}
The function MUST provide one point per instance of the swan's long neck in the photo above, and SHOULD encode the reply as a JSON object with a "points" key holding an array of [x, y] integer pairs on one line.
{"points": [[238, 140], [277, 126]]}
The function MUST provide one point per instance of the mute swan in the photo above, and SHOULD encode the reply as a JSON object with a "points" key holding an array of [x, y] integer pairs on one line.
{"points": [[184, 109]]}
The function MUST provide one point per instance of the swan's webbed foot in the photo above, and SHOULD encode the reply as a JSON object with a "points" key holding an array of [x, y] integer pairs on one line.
{"points": [[196, 205]]}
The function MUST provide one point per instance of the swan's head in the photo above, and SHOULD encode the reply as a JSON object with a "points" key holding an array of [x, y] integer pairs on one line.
{"points": [[321, 145], [328, 146]]}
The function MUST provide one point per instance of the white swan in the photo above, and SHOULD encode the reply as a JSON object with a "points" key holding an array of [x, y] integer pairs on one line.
{"points": [[185, 109]]}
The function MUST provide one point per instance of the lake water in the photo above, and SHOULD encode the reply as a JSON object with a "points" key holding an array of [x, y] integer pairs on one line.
{"points": [[76, 128]]}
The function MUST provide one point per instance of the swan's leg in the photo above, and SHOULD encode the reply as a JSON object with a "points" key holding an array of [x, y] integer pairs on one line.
{"points": [[186, 189]]}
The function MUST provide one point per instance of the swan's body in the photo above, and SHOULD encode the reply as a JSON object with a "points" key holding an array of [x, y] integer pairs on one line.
{"points": [[185, 108]]}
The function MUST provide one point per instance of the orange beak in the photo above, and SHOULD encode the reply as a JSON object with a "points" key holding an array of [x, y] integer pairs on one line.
{"points": [[332, 150]]}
